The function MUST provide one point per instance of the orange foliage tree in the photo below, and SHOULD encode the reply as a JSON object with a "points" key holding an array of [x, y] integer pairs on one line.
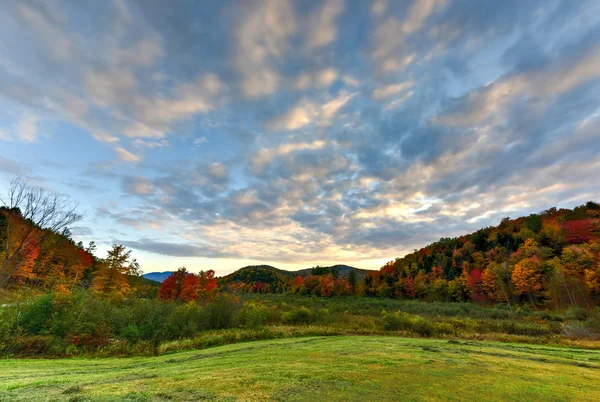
{"points": [[527, 277], [111, 277], [182, 285]]}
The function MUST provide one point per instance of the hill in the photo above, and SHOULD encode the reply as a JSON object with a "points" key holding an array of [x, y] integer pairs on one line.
{"points": [[257, 278], [552, 258], [256, 273], [268, 279], [317, 368], [157, 276], [343, 271]]}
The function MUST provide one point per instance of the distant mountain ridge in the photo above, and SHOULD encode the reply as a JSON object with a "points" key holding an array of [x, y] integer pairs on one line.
{"points": [[245, 273], [157, 276]]}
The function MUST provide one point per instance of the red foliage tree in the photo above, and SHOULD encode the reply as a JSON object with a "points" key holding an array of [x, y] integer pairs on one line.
{"points": [[298, 281], [184, 286], [579, 231]]}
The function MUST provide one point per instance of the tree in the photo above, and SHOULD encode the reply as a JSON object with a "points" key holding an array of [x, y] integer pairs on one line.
{"points": [[172, 287], [111, 278], [26, 210], [207, 284], [327, 287], [579, 231], [527, 277], [182, 285], [534, 223], [352, 281]]}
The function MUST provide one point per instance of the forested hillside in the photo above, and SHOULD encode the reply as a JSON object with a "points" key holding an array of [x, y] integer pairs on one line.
{"points": [[548, 258], [37, 249]]}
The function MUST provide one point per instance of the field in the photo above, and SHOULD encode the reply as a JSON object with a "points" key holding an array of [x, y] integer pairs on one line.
{"points": [[315, 369]]}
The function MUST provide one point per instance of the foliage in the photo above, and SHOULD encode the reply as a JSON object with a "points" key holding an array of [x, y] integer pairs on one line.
{"points": [[551, 258]]}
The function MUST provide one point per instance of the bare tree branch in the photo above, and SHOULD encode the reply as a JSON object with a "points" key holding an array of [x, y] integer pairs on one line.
{"points": [[40, 209]]}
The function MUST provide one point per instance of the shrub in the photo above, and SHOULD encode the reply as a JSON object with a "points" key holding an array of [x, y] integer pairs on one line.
{"points": [[255, 315], [222, 311], [131, 333], [578, 313], [443, 328], [422, 327], [397, 321], [8, 323], [35, 315], [545, 315], [300, 315], [30, 345]]}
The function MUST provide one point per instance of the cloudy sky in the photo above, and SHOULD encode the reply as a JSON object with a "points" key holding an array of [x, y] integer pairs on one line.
{"points": [[216, 134]]}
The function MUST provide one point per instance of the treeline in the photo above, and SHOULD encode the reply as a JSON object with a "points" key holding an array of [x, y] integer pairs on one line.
{"points": [[551, 258], [37, 249]]}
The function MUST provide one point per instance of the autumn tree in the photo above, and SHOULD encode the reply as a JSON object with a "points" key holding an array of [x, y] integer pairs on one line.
{"points": [[527, 277], [185, 286], [496, 282], [352, 281], [579, 231], [30, 215], [327, 285], [111, 277], [207, 284]]}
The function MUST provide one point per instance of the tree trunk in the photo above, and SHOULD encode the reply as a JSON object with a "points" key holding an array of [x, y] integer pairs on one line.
{"points": [[5, 275]]}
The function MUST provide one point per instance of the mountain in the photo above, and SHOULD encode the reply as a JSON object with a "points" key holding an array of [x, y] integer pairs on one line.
{"points": [[269, 274], [157, 276], [342, 271], [268, 279]]}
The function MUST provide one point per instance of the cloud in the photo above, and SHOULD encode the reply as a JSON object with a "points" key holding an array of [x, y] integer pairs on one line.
{"points": [[172, 249], [322, 29], [378, 7], [137, 186], [262, 39], [322, 79], [540, 85], [25, 129], [11, 167], [58, 45], [307, 112], [126, 156], [391, 90]]}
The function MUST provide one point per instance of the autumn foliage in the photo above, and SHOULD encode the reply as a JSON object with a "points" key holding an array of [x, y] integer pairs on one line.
{"points": [[185, 286]]}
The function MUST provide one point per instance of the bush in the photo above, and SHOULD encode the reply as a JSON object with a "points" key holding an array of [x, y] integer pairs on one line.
{"points": [[131, 333], [222, 311], [444, 328], [300, 315], [398, 321], [255, 315], [34, 345], [35, 315], [578, 313], [551, 317], [422, 327]]}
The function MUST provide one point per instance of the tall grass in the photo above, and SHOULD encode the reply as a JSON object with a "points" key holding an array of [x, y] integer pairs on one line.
{"points": [[83, 324]]}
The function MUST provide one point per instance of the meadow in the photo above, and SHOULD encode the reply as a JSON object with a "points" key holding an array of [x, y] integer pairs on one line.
{"points": [[84, 325], [339, 368]]}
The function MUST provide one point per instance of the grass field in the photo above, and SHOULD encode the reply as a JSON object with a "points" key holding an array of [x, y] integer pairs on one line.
{"points": [[317, 369]]}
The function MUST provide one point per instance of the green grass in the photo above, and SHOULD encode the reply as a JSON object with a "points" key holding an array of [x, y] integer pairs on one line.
{"points": [[317, 369]]}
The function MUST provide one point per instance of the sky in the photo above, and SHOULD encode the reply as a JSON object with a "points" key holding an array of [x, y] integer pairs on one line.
{"points": [[218, 134]]}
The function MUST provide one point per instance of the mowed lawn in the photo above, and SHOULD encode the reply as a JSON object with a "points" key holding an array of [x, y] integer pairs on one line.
{"points": [[318, 369]]}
